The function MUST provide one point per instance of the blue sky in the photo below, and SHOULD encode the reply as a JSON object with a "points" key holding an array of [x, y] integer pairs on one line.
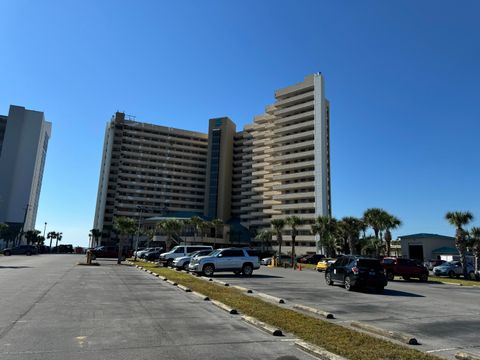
{"points": [[402, 77]]}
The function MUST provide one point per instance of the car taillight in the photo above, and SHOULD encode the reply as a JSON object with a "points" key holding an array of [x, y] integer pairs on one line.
{"points": [[355, 270]]}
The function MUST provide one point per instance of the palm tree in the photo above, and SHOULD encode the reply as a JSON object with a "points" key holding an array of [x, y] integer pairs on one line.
{"points": [[4, 232], [32, 236], [371, 246], [475, 234], [52, 235], [216, 224], [278, 225], [204, 226], [293, 222], [391, 223], [170, 228], [96, 234], [58, 237], [352, 227], [326, 228], [376, 218], [125, 227], [264, 236], [460, 219], [196, 222]]}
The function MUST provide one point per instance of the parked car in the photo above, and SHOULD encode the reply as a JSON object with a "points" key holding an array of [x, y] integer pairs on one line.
{"points": [[230, 259], [266, 261], [136, 253], [323, 264], [63, 249], [453, 269], [311, 258], [355, 272], [430, 264], [166, 259], [21, 250], [110, 252], [405, 268], [183, 261], [145, 254]]}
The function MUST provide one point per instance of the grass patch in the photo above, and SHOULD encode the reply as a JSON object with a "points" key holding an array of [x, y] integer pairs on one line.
{"points": [[335, 338], [464, 282]]}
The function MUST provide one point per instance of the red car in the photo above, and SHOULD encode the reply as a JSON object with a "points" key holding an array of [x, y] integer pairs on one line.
{"points": [[405, 268]]}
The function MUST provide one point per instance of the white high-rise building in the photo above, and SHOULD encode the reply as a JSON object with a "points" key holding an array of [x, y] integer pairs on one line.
{"points": [[24, 136]]}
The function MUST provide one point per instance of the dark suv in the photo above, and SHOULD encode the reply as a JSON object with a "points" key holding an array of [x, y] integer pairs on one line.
{"points": [[355, 272], [21, 250], [405, 268]]}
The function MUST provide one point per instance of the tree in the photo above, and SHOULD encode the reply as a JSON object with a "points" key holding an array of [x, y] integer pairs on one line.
{"points": [[58, 237], [52, 235], [391, 223], [475, 235], [278, 225], [96, 235], [371, 246], [293, 222], [4, 232], [125, 227], [352, 227], [204, 226], [216, 224], [376, 219], [32, 236], [170, 228], [196, 222], [459, 219], [326, 228], [264, 236]]}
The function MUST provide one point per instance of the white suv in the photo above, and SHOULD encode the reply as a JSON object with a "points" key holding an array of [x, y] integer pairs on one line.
{"points": [[231, 259], [166, 259]]}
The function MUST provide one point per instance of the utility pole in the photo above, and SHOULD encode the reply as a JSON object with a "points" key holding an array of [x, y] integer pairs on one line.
{"points": [[23, 225], [138, 230], [44, 229]]}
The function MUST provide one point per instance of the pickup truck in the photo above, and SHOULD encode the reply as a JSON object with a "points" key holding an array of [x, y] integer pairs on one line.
{"points": [[405, 268], [230, 259]]}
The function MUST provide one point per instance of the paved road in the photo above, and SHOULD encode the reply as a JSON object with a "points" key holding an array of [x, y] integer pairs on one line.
{"points": [[444, 318], [53, 309]]}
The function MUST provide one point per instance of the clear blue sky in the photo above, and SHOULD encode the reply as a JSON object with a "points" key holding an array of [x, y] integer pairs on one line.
{"points": [[403, 78]]}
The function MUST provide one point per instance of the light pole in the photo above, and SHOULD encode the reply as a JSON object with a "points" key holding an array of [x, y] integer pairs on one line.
{"points": [[138, 231], [44, 229]]}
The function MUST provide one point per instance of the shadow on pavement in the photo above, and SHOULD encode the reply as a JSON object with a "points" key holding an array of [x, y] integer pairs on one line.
{"points": [[254, 276], [15, 267], [390, 292]]}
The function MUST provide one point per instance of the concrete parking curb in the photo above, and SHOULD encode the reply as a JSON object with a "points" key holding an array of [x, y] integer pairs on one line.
{"points": [[249, 291], [203, 297], [466, 356], [184, 288], [220, 282], [162, 277], [261, 325], [271, 298], [317, 351], [405, 338], [313, 310], [172, 282], [224, 307]]}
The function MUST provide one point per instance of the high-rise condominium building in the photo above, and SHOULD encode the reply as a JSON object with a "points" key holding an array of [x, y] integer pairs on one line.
{"points": [[24, 136], [276, 167]]}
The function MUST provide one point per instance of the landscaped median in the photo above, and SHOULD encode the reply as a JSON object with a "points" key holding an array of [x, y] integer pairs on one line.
{"points": [[334, 338]]}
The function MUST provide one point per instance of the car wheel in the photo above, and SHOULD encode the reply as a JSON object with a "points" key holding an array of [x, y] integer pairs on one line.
{"points": [[185, 266], [390, 276], [7, 253], [208, 270], [451, 274], [247, 270], [328, 279], [471, 275], [347, 283], [424, 278], [169, 262], [406, 278], [28, 253], [379, 290]]}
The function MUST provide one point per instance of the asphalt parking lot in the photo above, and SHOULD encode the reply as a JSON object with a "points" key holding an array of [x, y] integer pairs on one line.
{"points": [[53, 309], [444, 318]]}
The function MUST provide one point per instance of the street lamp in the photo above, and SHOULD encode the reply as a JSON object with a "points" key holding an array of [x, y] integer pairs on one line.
{"points": [[44, 229], [138, 230]]}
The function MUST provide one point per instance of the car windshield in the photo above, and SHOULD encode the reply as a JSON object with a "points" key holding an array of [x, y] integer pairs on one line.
{"points": [[214, 253]]}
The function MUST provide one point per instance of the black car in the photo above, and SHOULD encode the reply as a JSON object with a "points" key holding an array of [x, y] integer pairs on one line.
{"points": [[356, 272], [21, 250], [153, 255]]}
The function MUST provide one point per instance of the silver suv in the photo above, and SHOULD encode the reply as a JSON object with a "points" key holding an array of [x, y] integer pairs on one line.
{"points": [[231, 259]]}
